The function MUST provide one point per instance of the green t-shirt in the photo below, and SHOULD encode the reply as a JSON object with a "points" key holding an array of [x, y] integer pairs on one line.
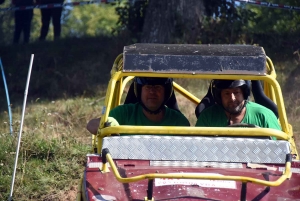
{"points": [[132, 114], [256, 114]]}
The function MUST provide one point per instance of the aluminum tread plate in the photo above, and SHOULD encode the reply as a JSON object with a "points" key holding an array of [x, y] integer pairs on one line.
{"points": [[195, 164], [204, 149]]}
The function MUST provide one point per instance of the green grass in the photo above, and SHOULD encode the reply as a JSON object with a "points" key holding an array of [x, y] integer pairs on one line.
{"points": [[53, 147]]}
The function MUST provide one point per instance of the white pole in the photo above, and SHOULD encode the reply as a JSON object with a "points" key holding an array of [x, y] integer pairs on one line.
{"points": [[21, 126]]}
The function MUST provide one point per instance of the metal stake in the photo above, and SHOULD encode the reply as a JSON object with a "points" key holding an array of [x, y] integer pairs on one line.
{"points": [[21, 126], [7, 98]]}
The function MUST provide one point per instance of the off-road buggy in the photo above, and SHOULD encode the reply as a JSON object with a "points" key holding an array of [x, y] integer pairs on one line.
{"points": [[191, 163]]}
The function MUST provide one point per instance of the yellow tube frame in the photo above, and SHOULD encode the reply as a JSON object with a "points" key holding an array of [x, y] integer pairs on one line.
{"points": [[120, 78], [286, 175], [267, 78], [194, 131]]}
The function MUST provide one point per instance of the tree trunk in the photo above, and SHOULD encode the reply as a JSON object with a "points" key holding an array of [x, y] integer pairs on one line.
{"points": [[173, 21]]}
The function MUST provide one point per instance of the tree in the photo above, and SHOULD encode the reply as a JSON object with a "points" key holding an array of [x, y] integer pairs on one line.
{"points": [[131, 19], [173, 21], [184, 21], [90, 20], [277, 30], [6, 25]]}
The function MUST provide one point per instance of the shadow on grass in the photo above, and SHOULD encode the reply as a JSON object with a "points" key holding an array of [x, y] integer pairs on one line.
{"points": [[64, 68]]}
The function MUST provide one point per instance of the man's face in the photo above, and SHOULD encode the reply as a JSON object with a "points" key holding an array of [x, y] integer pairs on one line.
{"points": [[232, 100], [153, 96]]}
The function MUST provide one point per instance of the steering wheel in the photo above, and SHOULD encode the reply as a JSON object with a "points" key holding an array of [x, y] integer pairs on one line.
{"points": [[243, 125]]}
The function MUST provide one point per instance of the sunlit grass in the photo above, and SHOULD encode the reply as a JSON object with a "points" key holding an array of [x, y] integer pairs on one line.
{"points": [[53, 148]]}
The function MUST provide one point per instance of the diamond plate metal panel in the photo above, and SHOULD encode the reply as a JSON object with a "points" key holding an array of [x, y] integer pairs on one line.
{"points": [[195, 164], [204, 149]]}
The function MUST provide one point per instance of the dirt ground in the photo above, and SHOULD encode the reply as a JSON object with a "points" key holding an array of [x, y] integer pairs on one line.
{"points": [[69, 195]]}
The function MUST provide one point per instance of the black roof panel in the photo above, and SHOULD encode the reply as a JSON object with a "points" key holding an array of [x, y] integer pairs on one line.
{"points": [[188, 58]]}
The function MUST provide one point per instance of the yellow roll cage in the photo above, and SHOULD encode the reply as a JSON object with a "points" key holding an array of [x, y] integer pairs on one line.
{"points": [[119, 79]]}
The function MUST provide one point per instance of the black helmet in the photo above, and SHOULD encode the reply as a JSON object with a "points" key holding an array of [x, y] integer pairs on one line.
{"points": [[141, 81], [167, 83], [218, 85]]}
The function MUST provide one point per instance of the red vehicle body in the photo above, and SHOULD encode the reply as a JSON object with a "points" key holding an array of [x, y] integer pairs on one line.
{"points": [[207, 190]]}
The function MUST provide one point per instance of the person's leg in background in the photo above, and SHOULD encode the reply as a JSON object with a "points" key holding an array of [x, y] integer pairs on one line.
{"points": [[27, 25], [56, 21], [18, 26], [46, 17]]}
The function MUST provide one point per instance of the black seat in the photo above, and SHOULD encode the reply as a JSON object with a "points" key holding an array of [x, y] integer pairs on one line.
{"points": [[131, 98], [207, 101], [261, 98], [258, 95]]}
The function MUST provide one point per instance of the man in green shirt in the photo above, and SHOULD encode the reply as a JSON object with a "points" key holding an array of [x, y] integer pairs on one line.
{"points": [[232, 106], [152, 95]]}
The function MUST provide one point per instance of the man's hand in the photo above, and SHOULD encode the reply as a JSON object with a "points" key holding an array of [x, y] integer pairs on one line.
{"points": [[111, 122]]}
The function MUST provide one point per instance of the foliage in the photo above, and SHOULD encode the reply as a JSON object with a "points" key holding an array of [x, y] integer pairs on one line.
{"points": [[226, 21], [6, 24], [90, 20], [77, 21], [277, 30], [131, 18], [224, 18], [221, 14]]}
